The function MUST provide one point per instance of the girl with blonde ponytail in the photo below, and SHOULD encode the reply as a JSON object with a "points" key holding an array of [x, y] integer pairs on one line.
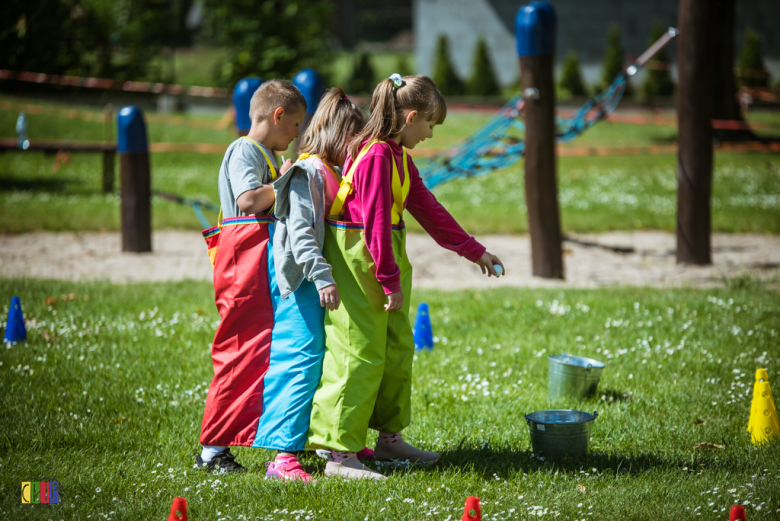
{"points": [[367, 367], [306, 286]]}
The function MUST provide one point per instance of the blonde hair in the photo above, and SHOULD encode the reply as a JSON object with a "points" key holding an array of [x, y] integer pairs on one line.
{"points": [[336, 122], [389, 102], [274, 94]]}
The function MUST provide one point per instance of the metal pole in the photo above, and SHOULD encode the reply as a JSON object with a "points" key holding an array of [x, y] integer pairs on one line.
{"points": [[310, 85], [694, 116], [242, 95], [535, 32], [135, 180]]}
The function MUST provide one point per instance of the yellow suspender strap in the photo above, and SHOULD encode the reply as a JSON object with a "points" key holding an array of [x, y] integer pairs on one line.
{"points": [[274, 175], [400, 191], [346, 182], [219, 218], [333, 173]]}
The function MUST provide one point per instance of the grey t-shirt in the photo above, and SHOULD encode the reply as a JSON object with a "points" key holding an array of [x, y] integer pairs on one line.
{"points": [[243, 168]]}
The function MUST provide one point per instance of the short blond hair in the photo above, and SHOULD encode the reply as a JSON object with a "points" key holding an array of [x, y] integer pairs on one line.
{"points": [[336, 122], [274, 94]]}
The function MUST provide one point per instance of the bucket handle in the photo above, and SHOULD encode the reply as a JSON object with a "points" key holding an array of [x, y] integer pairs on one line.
{"points": [[590, 366]]}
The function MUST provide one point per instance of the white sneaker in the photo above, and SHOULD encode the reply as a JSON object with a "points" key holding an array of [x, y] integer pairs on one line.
{"points": [[351, 468]]}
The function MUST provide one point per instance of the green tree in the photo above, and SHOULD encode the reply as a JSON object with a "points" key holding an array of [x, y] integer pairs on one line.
{"points": [[269, 38], [103, 38], [402, 66], [613, 59], [483, 80], [571, 76], [659, 81], [752, 71], [363, 78], [444, 74]]}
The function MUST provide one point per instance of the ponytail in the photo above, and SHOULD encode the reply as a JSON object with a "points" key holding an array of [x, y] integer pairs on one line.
{"points": [[389, 101], [335, 123]]}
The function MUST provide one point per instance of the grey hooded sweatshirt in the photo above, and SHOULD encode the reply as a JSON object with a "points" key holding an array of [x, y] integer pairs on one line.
{"points": [[300, 230]]}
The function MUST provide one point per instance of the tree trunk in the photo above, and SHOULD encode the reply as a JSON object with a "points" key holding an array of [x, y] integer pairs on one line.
{"points": [[694, 116]]}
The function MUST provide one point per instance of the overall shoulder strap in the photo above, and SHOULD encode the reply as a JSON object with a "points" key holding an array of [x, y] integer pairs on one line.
{"points": [[400, 190], [306, 155], [346, 182], [274, 175]]}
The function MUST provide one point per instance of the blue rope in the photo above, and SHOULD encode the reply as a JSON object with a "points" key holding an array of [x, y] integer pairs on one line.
{"points": [[490, 147]]}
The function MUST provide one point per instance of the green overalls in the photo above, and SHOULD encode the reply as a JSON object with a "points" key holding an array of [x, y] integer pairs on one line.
{"points": [[367, 368]]}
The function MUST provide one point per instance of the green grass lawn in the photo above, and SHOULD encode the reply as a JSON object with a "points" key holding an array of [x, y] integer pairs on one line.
{"points": [[595, 193], [107, 396]]}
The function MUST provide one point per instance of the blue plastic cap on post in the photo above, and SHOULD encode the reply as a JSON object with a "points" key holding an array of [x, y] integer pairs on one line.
{"points": [[535, 29], [310, 85], [242, 95], [423, 331], [14, 329], [131, 130]]}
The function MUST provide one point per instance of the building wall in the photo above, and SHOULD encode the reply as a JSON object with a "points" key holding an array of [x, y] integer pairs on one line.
{"points": [[582, 27]]}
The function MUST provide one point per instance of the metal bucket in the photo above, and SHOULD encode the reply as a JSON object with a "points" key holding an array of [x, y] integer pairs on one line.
{"points": [[573, 376], [560, 433]]}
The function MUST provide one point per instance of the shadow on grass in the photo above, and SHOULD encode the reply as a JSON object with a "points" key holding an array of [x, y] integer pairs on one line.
{"points": [[39, 184], [489, 462]]}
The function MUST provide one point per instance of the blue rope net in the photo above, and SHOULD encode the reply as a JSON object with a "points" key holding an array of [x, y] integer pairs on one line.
{"points": [[499, 142]]}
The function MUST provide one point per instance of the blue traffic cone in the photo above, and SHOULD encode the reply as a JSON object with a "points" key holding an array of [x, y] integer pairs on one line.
{"points": [[423, 332], [14, 329]]}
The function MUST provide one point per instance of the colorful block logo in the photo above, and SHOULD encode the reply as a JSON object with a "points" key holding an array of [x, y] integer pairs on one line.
{"points": [[40, 492]]}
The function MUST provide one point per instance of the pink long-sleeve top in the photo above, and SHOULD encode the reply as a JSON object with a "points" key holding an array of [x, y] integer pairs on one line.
{"points": [[371, 203]]}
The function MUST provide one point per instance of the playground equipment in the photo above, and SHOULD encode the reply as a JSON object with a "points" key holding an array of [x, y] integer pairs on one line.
{"points": [[493, 146], [423, 331], [763, 425], [694, 122], [472, 505], [310, 85], [14, 328], [135, 180], [497, 144], [242, 95]]}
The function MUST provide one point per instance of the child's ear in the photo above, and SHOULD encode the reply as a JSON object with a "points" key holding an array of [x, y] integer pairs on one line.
{"points": [[411, 117], [278, 115]]}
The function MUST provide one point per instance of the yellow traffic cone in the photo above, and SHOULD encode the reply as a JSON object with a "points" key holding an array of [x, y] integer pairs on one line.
{"points": [[761, 376], [766, 425]]}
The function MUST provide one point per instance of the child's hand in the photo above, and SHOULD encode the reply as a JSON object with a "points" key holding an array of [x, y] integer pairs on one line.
{"points": [[286, 166], [329, 297], [394, 301], [486, 263]]}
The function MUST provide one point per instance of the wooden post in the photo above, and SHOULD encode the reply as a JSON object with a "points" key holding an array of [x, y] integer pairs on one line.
{"points": [[135, 180], [694, 116], [109, 159], [242, 96], [310, 85], [535, 32], [109, 156]]}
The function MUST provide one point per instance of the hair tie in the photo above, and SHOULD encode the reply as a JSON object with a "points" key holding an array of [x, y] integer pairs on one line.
{"points": [[397, 80], [345, 98]]}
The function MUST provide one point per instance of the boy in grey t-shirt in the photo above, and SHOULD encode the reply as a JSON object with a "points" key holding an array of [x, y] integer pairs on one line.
{"points": [[243, 168], [242, 282]]}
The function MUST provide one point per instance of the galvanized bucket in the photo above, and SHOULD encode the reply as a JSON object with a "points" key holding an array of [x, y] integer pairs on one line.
{"points": [[573, 376], [560, 433]]}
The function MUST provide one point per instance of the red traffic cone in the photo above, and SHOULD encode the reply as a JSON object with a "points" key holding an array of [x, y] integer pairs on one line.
{"points": [[737, 513], [178, 510], [472, 505]]}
